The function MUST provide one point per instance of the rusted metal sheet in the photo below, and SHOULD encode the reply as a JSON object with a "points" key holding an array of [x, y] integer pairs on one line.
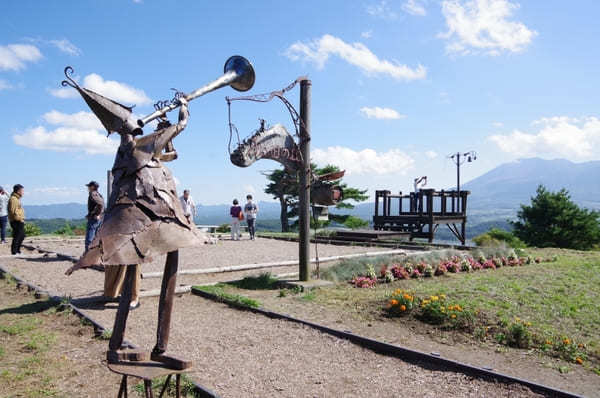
{"points": [[274, 143]]}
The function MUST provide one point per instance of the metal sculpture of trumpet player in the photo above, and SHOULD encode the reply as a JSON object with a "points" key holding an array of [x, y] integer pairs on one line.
{"points": [[144, 217]]}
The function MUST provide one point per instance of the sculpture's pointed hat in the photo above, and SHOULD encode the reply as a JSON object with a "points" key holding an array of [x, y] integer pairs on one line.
{"points": [[114, 117]]}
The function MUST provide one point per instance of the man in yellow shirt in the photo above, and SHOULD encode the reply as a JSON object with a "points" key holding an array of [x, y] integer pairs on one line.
{"points": [[16, 216]]}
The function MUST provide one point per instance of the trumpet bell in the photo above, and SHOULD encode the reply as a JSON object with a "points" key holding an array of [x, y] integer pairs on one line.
{"points": [[243, 68]]}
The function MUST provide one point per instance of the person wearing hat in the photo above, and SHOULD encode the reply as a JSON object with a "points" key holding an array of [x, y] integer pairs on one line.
{"points": [[95, 211], [16, 216], [3, 214]]}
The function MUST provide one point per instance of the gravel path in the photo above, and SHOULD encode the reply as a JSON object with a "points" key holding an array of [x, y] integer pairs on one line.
{"points": [[48, 273], [240, 354]]}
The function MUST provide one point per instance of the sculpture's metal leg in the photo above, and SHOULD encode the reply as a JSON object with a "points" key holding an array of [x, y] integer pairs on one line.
{"points": [[116, 340], [165, 307]]}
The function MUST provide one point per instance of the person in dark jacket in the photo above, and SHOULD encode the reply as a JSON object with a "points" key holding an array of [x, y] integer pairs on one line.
{"points": [[16, 216], [95, 212]]}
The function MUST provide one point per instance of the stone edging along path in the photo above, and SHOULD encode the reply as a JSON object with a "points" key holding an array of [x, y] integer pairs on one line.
{"points": [[39, 293], [403, 353]]}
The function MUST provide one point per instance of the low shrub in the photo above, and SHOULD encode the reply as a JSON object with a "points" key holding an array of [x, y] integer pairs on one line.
{"points": [[400, 303]]}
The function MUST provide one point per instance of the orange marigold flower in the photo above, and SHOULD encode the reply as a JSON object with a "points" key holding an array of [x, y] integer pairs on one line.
{"points": [[402, 307], [579, 360], [566, 341], [406, 296], [453, 316], [393, 302], [548, 342]]}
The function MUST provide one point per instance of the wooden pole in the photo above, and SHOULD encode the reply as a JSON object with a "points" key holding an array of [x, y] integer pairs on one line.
{"points": [[305, 175]]}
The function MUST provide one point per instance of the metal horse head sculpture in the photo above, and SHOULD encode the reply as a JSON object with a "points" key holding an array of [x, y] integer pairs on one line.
{"points": [[274, 143]]}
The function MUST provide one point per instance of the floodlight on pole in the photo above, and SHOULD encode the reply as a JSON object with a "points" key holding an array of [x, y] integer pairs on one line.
{"points": [[459, 158]]}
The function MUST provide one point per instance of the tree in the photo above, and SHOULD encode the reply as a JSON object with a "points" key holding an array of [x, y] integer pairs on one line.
{"points": [[554, 220], [284, 188]]}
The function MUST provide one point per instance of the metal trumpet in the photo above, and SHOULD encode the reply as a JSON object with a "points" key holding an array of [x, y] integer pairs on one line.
{"points": [[239, 74]]}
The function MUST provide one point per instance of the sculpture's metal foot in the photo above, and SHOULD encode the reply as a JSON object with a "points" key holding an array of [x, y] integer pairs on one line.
{"points": [[170, 361], [117, 356]]}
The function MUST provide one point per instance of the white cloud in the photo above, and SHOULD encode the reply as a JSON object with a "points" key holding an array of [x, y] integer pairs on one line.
{"points": [[381, 113], [249, 189], [367, 34], [80, 120], [114, 90], [357, 54], [66, 46], [4, 85], [76, 132], [577, 139], [381, 10], [497, 124], [431, 154], [367, 161], [414, 7], [483, 25], [15, 56], [65, 139]]}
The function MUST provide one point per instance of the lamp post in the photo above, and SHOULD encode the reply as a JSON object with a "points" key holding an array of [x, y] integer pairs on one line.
{"points": [[458, 159]]}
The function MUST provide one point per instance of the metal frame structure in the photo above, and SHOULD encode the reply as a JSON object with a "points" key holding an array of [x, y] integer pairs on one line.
{"points": [[427, 209]]}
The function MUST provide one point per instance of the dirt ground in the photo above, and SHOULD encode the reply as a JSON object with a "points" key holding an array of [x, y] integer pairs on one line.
{"points": [[418, 336], [48, 272], [47, 353], [240, 354]]}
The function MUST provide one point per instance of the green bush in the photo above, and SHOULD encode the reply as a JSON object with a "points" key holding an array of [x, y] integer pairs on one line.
{"points": [[32, 229], [223, 228], [355, 222], [519, 335], [495, 237]]}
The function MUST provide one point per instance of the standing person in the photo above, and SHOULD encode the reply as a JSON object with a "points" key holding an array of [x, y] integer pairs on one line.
{"points": [[16, 216], [3, 214], [189, 207], [95, 212], [236, 216], [251, 210]]}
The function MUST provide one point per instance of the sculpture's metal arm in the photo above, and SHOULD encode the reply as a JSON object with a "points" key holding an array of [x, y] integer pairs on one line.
{"points": [[165, 140]]}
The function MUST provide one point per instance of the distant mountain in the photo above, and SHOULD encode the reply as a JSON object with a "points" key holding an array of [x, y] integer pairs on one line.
{"points": [[62, 210], [495, 195], [511, 184], [212, 214], [219, 214]]}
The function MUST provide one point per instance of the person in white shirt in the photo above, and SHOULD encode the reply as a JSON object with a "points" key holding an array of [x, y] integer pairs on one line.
{"points": [[3, 214], [189, 207]]}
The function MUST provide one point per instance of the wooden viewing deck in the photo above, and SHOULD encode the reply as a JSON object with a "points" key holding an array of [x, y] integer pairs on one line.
{"points": [[421, 213]]}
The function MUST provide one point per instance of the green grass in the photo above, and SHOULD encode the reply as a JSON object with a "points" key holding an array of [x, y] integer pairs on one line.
{"points": [[560, 299], [106, 334], [20, 327], [265, 281], [219, 291], [187, 386]]}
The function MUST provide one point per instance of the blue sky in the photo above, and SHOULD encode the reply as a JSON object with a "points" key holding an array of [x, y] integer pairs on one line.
{"points": [[397, 86]]}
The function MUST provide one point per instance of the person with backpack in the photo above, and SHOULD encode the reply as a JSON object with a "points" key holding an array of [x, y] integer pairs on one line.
{"points": [[237, 215], [250, 210]]}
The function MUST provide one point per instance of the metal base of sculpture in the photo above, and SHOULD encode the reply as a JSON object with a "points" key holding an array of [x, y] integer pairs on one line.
{"points": [[116, 354], [147, 371]]}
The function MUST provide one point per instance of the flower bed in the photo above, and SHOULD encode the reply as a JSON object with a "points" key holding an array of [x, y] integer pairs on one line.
{"points": [[454, 265]]}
